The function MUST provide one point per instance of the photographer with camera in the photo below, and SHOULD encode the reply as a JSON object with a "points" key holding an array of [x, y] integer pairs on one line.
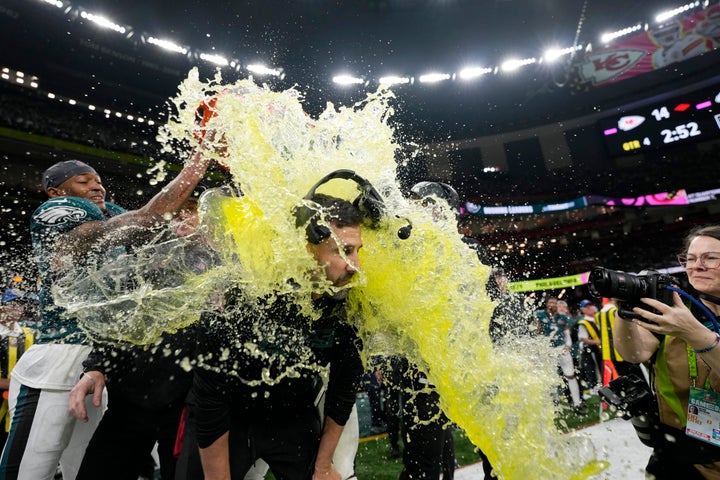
{"points": [[681, 344]]}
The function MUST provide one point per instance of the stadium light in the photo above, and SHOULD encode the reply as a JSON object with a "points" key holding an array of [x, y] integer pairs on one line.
{"points": [[434, 77], [216, 59], [513, 64], [474, 72], [54, 3], [261, 69], [347, 80], [167, 45], [609, 37], [103, 22], [661, 17], [393, 80], [553, 54]]}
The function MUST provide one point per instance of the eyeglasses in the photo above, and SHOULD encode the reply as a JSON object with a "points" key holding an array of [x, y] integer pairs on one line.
{"points": [[707, 260]]}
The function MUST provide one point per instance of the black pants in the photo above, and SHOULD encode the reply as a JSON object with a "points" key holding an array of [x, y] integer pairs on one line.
{"points": [[590, 365], [393, 415], [675, 455], [121, 446], [430, 447], [486, 466], [287, 445]]}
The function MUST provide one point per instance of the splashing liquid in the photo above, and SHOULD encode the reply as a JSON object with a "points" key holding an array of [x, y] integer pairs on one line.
{"points": [[423, 297]]}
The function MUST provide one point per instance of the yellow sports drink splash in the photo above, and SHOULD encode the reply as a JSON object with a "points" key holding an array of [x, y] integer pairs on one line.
{"points": [[422, 297]]}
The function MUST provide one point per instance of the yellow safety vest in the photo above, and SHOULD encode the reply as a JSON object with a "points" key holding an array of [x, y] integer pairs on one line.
{"points": [[13, 355], [606, 321]]}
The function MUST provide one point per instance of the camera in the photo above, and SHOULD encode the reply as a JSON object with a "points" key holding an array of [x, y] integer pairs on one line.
{"points": [[632, 396], [629, 289]]}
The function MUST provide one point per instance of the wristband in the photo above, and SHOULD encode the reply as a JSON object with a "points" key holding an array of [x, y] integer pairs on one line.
{"points": [[92, 381], [711, 346]]}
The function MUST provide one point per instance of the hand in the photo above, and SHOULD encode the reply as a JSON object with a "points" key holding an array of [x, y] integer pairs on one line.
{"points": [[326, 473], [675, 320], [209, 141], [91, 383]]}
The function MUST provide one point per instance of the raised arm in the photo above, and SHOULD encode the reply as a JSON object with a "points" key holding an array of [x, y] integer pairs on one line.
{"points": [[119, 229]]}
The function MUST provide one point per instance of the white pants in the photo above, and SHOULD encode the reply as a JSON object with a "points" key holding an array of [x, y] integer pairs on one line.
{"points": [[54, 436], [565, 361]]}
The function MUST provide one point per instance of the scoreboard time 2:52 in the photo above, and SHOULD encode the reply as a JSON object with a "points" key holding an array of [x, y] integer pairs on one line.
{"points": [[681, 119]]}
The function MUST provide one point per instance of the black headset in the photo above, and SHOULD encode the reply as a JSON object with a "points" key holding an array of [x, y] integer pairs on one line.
{"points": [[369, 202]]}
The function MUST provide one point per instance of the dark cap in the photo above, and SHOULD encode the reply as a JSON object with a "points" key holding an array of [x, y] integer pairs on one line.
{"points": [[585, 303], [437, 189], [61, 171]]}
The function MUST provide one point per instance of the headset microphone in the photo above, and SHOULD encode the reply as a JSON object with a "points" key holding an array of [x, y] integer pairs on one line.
{"points": [[404, 232]]}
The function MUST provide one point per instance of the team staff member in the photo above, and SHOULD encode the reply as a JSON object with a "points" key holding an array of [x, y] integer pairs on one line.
{"points": [[76, 225], [685, 357], [590, 344], [14, 341], [238, 416], [429, 446], [146, 386]]}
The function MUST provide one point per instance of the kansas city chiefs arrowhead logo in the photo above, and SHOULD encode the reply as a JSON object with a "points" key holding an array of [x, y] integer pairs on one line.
{"points": [[601, 67], [59, 215]]}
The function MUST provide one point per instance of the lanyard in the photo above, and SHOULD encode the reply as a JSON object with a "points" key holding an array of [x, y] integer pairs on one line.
{"points": [[693, 368]]}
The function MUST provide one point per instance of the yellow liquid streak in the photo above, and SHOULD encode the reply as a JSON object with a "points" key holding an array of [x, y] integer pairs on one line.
{"points": [[423, 297]]}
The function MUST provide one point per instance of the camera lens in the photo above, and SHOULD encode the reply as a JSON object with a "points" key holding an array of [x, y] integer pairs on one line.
{"points": [[613, 284]]}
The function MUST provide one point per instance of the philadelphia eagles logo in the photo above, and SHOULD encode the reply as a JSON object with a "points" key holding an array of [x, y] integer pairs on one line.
{"points": [[60, 215]]}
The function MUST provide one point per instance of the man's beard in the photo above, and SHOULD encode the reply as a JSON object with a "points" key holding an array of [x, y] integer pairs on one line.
{"points": [[339, 294]]}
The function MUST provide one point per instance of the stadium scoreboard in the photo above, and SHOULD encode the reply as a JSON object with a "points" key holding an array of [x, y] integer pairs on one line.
{"points": [[685, 118]]}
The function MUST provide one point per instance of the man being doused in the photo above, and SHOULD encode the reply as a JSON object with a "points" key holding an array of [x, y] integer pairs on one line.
{"points": [[258, 377]]}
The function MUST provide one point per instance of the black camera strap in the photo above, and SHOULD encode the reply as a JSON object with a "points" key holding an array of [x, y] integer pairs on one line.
{"points": [[709, 298]]}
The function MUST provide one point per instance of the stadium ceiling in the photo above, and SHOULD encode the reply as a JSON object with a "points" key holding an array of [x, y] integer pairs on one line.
{"points": [[132, 55]]}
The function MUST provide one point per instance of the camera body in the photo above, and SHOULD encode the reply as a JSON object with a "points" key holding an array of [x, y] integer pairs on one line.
{"points": [[630, 394], [634, 399], [629, 288]]}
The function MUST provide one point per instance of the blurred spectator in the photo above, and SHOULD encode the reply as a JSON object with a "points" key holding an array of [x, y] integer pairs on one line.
{"points": [[590, 358], [14, 341], [555, 326]]}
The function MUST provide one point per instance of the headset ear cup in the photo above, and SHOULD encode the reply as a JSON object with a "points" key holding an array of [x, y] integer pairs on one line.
{"points": [[305, 216], [370, 203], [317, 233]]}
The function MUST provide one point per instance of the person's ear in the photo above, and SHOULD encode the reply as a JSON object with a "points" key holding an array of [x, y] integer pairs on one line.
{"points": [[53, 192]]}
